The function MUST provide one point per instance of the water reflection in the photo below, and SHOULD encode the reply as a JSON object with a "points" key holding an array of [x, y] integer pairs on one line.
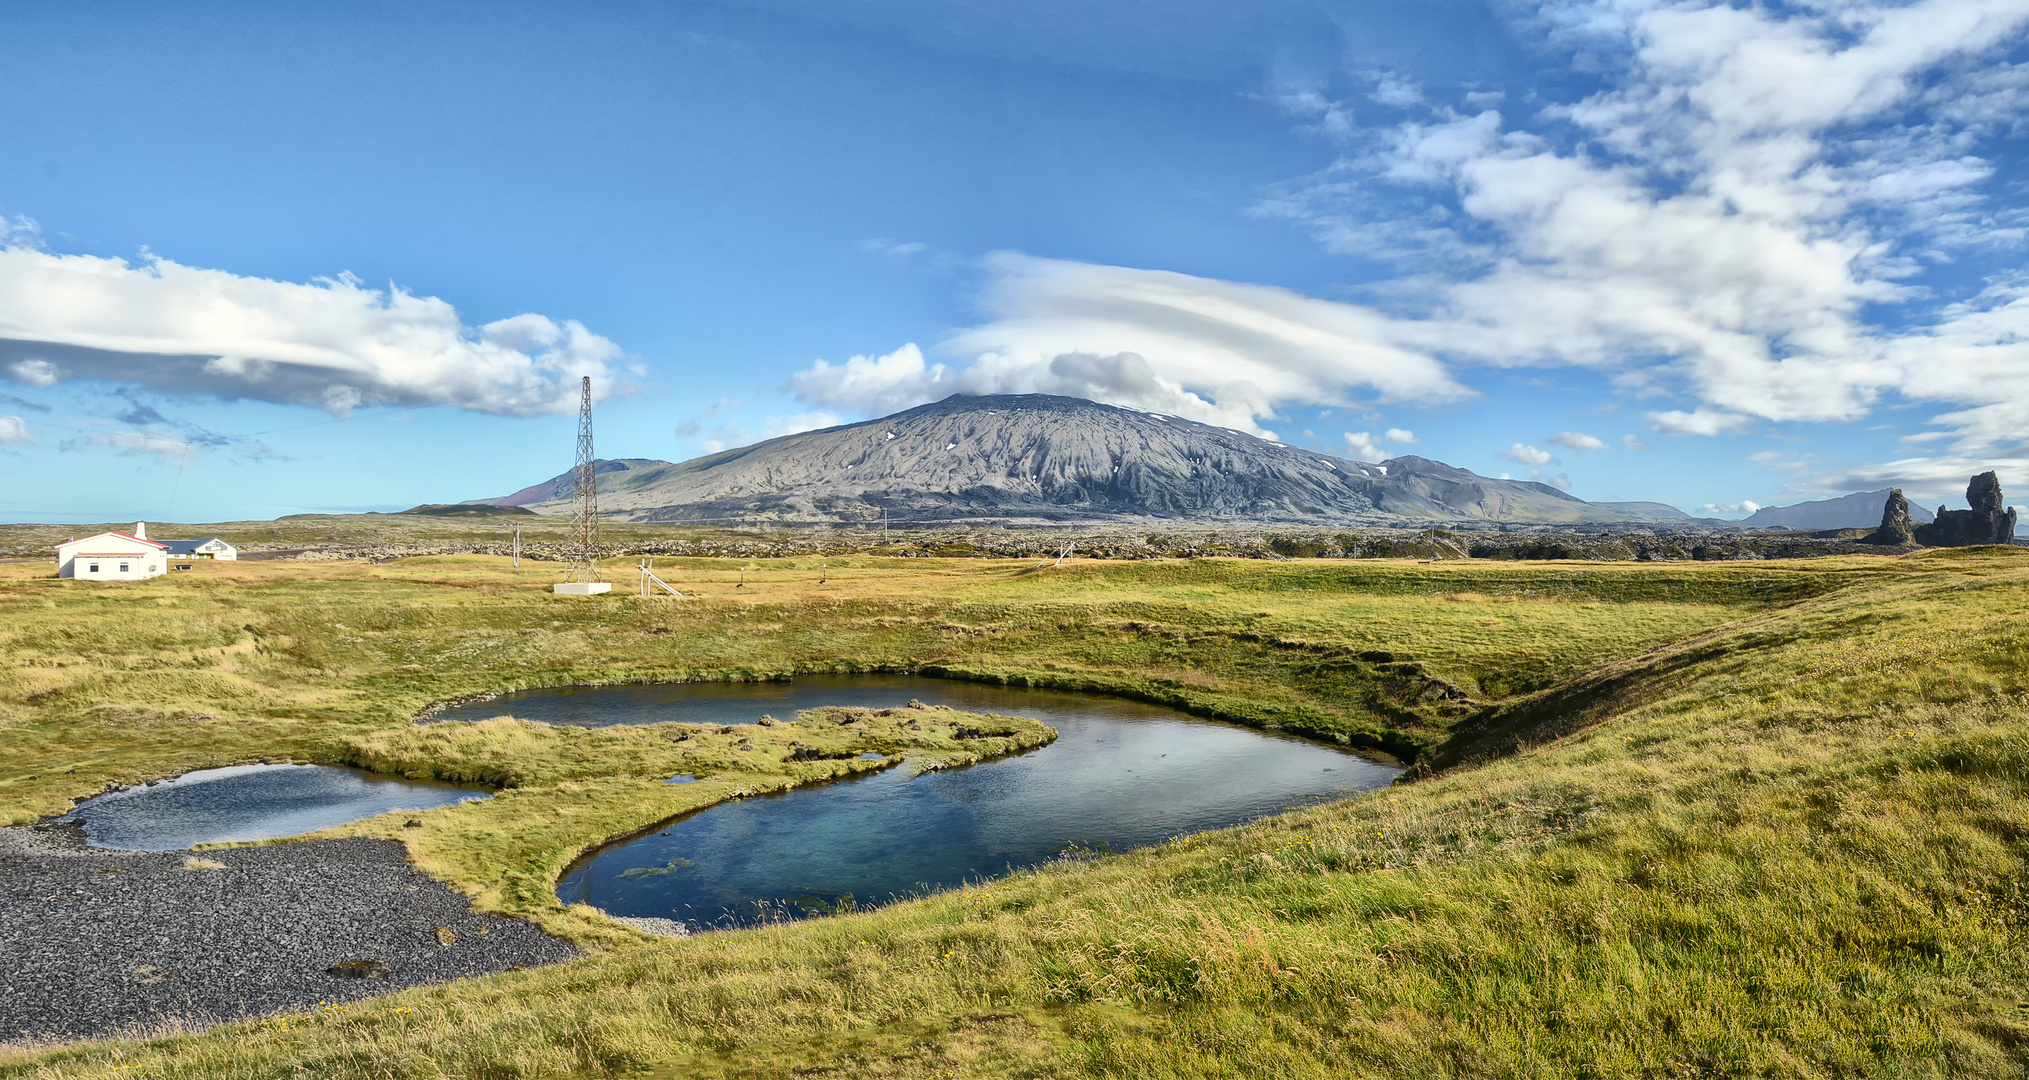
{"points": [[251, 802], [1121, 775]]}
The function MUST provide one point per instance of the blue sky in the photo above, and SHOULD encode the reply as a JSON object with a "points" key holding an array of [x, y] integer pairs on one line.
{"points": [[269, 259]]}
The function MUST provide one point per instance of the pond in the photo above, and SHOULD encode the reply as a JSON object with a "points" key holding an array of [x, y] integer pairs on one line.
{"points": [[251, 802], [1121, 775]]}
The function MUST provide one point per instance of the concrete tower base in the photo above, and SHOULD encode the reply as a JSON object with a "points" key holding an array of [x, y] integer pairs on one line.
{"points": [[583, 588]]}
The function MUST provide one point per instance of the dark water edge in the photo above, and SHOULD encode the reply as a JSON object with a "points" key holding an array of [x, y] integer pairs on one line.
{"points": [[1122, 775], [252, 802]]}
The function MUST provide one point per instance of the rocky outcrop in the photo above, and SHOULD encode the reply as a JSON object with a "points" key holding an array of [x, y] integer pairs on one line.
{"points": [[1896, 526], [1989, 521], [1857, 511]]}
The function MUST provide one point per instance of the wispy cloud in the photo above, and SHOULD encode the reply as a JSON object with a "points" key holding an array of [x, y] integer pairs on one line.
{"points": [[1943, 476], [331, 343], [717, 427], [1725, 224], [778, 426], [1730, 220], [132, 442], [14, 430], [1579, 441], [1218, 351], [1742, 222], [1699, 421], [892, 248]]}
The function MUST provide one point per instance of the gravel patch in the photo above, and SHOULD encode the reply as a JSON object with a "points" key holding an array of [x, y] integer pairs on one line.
{"points": [[97, 943], [648, 924]]}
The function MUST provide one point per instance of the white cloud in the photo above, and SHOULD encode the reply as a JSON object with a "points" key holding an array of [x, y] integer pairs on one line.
{"points": [[132, 443], [1217, 351], [779, 426], [13, 429], [1529, 455], [721, 425], [1396, 91], [1936, 477], [1722, 223], [873, 385], [1331, 119], [1699, 421], [35, 372], [1579, 441], [1433, 153], [1362, 446], [332, 343], [1633, 442], [893, 249], [1401, 435], [1729, 219], [1744, 506]]}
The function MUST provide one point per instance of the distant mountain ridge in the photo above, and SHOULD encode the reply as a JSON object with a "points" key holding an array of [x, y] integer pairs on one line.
{"points": [[1045, 458], [1859, 511], [558, 486]]}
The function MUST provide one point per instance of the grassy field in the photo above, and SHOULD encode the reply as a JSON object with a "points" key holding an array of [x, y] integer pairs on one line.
{"points": [[1683, 820]]}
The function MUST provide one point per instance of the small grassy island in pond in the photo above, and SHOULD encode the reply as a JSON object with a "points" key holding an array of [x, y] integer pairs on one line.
{"points": [[569, 789], [1741, 819]]}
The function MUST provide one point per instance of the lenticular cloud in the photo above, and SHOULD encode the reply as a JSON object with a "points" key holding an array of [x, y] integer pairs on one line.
{"points": [[1226, 353], [332, 343]]}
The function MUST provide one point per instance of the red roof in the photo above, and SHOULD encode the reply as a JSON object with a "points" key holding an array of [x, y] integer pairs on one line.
{"points": [[121, 535]]}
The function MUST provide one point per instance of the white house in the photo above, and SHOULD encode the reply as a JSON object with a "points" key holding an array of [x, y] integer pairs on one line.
{"points": [[113, 556], [207, 547]]}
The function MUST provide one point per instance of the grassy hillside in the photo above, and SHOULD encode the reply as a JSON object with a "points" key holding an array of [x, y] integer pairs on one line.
{"points": [[1713, 820]]}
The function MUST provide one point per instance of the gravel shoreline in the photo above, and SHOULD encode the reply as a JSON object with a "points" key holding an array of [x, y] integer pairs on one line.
{"points": [[100, 943]]}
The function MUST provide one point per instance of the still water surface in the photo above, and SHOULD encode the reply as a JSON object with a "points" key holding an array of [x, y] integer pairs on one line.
{"points": [[1121, 775], [251, 802]]}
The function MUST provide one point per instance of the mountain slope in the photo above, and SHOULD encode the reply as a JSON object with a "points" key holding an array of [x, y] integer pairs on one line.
{"points": [[558, 486], [1040, 457], [1861, 511]]}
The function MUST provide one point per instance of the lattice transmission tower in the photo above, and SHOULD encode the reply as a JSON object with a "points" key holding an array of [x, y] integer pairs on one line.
{"points": [[585, 548]]}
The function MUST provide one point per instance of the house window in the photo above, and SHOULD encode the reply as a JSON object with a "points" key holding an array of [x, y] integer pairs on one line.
{"points": [[95, 568], [123, 568]]}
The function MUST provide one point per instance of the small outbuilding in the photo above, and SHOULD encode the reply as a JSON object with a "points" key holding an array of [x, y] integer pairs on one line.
{"points": [[209, 547], [113, 556]]}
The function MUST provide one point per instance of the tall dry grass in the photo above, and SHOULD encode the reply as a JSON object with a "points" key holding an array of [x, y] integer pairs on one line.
{"points": [[1802, 855]]}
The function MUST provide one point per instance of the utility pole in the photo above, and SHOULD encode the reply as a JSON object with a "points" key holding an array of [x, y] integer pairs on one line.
{"points": [[584, 569]]}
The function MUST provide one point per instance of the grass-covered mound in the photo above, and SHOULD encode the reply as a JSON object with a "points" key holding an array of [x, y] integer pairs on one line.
{"points": [[1708, 821]]}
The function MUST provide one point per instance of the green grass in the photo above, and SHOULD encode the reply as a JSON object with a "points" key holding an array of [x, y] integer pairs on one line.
{"points": [[1726, 820]]}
